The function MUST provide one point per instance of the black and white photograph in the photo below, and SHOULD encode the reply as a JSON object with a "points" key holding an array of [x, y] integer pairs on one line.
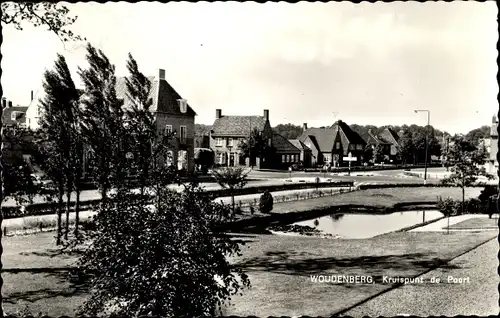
{"points": [[244, 159]]}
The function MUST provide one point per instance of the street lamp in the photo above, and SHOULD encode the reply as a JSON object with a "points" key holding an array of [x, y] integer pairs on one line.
{"points": [[426, 140]]}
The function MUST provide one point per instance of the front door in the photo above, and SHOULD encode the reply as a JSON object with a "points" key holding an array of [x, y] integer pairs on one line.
{"points": [[231, 159]]}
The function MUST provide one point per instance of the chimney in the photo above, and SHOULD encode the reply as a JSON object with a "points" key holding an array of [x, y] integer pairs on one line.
{"points": [[266, 114], [218, 113], [162, 74], [4, 102], [304, 126], [31, 95], [494, 119], [10, 103]]}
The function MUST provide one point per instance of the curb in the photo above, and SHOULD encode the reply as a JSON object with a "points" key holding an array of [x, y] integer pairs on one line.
{"points": [[395, 286]]}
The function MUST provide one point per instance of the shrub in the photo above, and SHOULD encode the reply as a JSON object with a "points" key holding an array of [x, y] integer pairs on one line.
{"points": [[266, 202], [473, 205], [487, 192], [448, 206]]}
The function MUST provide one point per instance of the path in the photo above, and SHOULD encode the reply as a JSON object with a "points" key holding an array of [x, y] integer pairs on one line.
{"points": [[439, 226], [477, 295]]}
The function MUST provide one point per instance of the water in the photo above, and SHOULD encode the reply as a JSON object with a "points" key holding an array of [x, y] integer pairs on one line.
{"points": [[359, 226]]}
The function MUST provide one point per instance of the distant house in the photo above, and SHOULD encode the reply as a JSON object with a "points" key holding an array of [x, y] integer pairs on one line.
{"points": [[388, 139], [286, 153], [492, 162], [202, 136], [305, 152], [13, 116], [330, 145], [227, 133]]}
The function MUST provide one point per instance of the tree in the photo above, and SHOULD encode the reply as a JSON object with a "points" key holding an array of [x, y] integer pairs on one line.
{"points": [[103, 121], [289, 131], [467, 163], [378, 153], [56, 18], [475, 135], [406, 147], [57, 130], [368, 153], [231, 178], [256, 145], [166, 262]]}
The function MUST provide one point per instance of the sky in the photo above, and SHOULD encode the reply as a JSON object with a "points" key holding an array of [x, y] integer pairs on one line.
{"points": [[314, 63]]}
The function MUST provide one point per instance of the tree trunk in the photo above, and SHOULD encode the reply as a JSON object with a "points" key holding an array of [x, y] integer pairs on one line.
{"points": [[77, 211], [463, 199], [60, 203], [232, 199], [68, 207]]}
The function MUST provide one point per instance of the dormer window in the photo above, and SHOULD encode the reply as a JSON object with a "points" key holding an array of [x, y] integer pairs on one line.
{"points": [[182, 105]]}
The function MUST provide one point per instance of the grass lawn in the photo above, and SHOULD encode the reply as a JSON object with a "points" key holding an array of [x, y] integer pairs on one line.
{"points": [[280, 267], [476, 223], [376, 197]]}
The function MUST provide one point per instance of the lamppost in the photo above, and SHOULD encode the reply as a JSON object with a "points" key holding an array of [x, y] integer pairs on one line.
{"points": [[426, 140]]}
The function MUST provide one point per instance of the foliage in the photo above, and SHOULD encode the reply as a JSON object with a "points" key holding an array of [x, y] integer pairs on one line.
{"points": [[487, 192], [473, 205], [406, 147], [103, 125], [448, 206], [467, 163], [204, 157], [256, 145], [231, 178], [475, 135], [378, 154], [168, 262], [289, 131], [367, 153], [266, 202], [52, 15]]}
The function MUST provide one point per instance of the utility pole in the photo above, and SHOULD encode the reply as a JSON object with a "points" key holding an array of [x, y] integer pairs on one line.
{"points": [[426, 140]]}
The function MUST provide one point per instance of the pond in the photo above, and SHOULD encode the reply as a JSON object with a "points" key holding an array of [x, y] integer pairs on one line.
{"points": [[359, 226]]}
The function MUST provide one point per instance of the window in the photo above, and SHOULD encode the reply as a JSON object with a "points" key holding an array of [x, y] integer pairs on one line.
{"points": [[359, 147], [168, 129], [170, 158], [283, 158], [337, 145], [13, 116], [182, 105], [328, 158], [230, 142], [351, 146], [287, 158], [183, 133], [218, 142]]}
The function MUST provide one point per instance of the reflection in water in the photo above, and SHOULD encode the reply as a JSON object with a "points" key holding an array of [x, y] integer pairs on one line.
{"points": [[357, 225], [336, 216]]}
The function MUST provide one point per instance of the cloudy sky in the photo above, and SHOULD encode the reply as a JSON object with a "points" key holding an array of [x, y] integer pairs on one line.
{"points": [[308, 62]]}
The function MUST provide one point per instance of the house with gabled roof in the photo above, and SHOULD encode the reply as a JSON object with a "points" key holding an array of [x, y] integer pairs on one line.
{"points": [[173, 115], [305, 152], [229, 131], [329, 146], [285, 152], [390, 136], [13, 116]]}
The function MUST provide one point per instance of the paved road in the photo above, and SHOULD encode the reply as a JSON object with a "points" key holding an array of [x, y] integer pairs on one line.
{"points": [[477, 294]]}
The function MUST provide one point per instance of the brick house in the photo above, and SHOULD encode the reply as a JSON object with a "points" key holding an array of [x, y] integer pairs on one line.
{"points": [[305, 152], [329, 145], [173, 114], [286, 153], [13, 116], [228, 131]]}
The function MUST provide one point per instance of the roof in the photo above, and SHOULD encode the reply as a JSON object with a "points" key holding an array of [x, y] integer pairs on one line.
{"points": [[325, 137], [298, 144], [21, 116], [164, 96], [389, 136], [282, 145], [237, 126]]}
